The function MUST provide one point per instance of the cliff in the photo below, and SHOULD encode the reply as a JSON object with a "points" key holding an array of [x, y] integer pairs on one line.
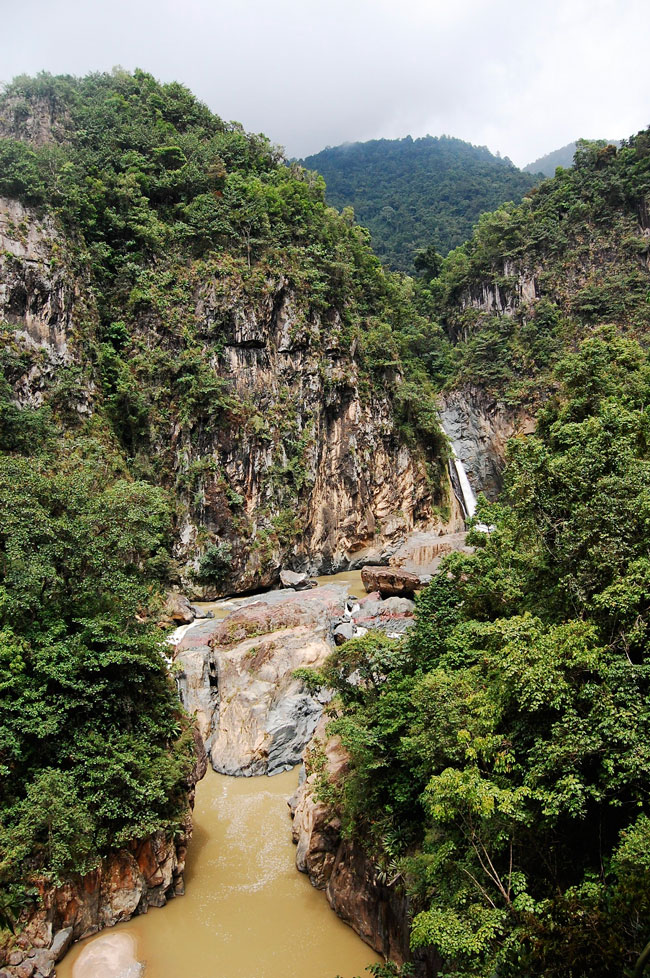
{"points": [[373, 905], [127, 881]]}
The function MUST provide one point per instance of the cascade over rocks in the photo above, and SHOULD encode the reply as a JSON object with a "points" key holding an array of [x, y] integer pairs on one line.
{"points": [[478, 427]]}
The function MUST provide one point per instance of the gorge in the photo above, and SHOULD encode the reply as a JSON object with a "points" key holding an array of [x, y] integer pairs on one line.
{"points": [[210, 387]]}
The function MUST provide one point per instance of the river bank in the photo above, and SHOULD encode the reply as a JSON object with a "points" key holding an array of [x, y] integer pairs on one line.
{"points": [[246, 910]]}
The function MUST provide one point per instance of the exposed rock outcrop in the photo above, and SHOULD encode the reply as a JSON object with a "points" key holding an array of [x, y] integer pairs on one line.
{"points": [[379, 913], [40, 301], [390, 581], [478, 427], [237, 675], [146, 873], [309, 472]]}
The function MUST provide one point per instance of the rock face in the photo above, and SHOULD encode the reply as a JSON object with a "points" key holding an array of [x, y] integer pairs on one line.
{"points": [[237, 676], [478, 427], [377, 912], [309, 470], [40, 301], [128, 881], [422, 553], [390, 581]]}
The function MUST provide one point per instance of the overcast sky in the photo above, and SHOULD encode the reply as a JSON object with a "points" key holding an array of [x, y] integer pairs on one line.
{"points": [[520, 76]]}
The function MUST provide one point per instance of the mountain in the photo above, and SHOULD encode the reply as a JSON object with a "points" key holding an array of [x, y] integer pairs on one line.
{"points": [[560, 157], [497, 787], [412, 193], [206, 376]]}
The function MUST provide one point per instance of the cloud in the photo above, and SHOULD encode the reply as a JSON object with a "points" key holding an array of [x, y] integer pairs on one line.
{"points": [[521, 77]]}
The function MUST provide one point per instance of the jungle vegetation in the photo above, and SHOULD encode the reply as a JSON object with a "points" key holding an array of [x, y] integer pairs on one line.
{"points": [[414, 192]]}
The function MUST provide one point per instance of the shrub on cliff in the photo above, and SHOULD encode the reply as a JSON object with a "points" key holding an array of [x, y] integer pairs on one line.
{"points": [[92, 750]]}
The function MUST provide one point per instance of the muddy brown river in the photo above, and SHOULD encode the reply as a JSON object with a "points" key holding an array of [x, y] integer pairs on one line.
{"points": [[247, 912]]}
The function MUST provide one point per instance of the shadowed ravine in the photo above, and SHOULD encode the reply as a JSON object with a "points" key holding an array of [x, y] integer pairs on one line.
{"points": [[246, 912]]}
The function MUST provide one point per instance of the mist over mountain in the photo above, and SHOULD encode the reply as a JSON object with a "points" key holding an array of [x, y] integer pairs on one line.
{"points": [[563, 156]]}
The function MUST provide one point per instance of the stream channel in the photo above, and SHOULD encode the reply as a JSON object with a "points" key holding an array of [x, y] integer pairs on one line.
{"points": [[247, 912]]}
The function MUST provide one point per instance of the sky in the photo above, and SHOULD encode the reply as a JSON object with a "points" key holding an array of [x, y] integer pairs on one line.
{"points": [[522, 77]]}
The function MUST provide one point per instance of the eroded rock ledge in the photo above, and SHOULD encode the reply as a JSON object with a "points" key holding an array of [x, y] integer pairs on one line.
{"points": [[237, 676]]}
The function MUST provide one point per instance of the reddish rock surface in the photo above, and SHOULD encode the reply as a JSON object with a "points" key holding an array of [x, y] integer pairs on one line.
{"points": [[127, 881], [390, 581], [378, 913]]}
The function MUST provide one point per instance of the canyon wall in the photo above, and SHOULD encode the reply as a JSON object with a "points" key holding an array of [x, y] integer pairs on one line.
{"points": [[146, 873], [292, 457]]}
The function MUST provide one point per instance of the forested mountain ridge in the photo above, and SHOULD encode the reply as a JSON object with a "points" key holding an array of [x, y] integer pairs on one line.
{"points": [[536, 278], [414, 192], [563, 156]]}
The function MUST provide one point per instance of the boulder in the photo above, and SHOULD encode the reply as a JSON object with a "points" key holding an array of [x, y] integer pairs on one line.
{"points": [[343, 632], [390, 581], [178, 609], [299, 582], [423, 552], [237, 675], [61, 943]]}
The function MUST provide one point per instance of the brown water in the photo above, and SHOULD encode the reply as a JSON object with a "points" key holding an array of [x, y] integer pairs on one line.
{"points": [[247, 912], [351, 578]]}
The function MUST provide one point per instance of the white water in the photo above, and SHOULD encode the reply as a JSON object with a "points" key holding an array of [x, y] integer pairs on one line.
{"points": [[469, 499]]}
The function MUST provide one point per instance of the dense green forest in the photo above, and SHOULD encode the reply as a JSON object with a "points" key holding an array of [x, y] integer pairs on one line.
{"points": [[412, 193], [536, 278], [499, 755], [148, 195], [563, 157], [500, 768]]}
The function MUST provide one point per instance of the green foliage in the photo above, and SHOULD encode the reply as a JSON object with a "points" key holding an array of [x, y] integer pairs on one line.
{"points": [[535, 278], [500, 752], [215, 563], [91, 746], [410, 193]]}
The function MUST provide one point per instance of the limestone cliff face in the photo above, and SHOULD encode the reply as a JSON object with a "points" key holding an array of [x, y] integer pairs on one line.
{"points": [[304, 466], [377, 911], [479, 426]]}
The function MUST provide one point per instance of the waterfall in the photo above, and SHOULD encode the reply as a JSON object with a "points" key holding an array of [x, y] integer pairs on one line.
{"points": [[469, 499]]}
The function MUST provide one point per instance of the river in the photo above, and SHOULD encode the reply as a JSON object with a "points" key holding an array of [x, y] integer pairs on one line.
{"points": [[247, 911]]}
